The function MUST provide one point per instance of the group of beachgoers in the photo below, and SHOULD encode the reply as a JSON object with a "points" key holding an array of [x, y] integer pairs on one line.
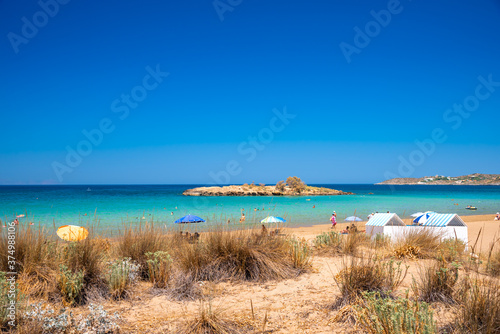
{"points": [[352, 228]]}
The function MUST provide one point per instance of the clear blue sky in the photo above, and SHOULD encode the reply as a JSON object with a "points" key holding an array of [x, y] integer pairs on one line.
{"points": [[354, 117]]}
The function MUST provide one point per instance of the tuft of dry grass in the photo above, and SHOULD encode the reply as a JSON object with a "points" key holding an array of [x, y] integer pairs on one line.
{"points": [[381, 241], [241, 255], [493, 262], [353, 241], [210, 320], [300, 253], [451, 250], [40, 255], [436, 283], [328, 243], [135, 241], [160, 268], [333, 243], [417, 244], [184, 287], [36, 259], [83, 256], [479, 309], [359, 275]]}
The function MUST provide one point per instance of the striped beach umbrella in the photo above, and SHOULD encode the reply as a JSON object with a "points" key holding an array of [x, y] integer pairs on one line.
{"points": [[422, 219], [272, 219]]}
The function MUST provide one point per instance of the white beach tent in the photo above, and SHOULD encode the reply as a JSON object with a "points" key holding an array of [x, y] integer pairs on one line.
{"points": [[384, 223], [450, 224]]}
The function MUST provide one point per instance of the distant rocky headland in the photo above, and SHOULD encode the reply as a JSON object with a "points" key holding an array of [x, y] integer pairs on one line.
{"points": [[471, 179], [292, 187]]}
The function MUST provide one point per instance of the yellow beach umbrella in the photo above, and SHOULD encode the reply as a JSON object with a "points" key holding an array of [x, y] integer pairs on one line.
{"points": [[72, 232]]}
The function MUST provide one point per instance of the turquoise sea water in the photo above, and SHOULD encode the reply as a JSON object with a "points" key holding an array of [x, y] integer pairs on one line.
{"points": [[112, 205]]}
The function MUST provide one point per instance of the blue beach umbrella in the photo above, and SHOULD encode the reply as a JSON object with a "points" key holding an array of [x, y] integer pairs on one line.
{"points": [[423, 217], [272, 219], [189, 219], [353, 219]]}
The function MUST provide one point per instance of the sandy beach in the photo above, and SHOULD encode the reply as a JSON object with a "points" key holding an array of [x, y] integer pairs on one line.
{"points": [[300, 305]]}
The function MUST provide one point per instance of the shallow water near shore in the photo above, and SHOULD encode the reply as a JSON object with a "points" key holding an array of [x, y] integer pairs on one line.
{"points": [[113, 205]]}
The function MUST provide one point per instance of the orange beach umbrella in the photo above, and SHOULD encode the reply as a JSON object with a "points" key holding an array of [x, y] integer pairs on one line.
{"points": [[72, 232]]}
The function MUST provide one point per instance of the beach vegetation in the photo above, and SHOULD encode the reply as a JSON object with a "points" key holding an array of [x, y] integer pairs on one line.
{"points": [[479, 306], [493, 261], [353, 241], [122, 273], [135, 242], [159, 268], [300, 253], [83, 256], [240, 255], [377, 314], [95, 270], [71, 284], [35, 253], [436, 282], [328, 242], [367, 274], [43, 318], [334, 243], [417, 244], [381, 241], [213, 320], [451, 250]]}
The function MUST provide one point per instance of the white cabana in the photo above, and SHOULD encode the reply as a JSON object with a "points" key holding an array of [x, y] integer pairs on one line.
{"points": [[384, 223], [450, 224]]}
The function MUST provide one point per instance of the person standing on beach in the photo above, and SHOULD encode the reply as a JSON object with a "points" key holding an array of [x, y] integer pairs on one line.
{"points": [[333, 220]]}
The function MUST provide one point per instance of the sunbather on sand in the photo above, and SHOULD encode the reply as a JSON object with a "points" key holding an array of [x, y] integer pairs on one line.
{"points": [[346, 231]]}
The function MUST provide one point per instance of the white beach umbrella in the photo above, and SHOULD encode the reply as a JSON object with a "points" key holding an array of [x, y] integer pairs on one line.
{"points": [[353, 219]]}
